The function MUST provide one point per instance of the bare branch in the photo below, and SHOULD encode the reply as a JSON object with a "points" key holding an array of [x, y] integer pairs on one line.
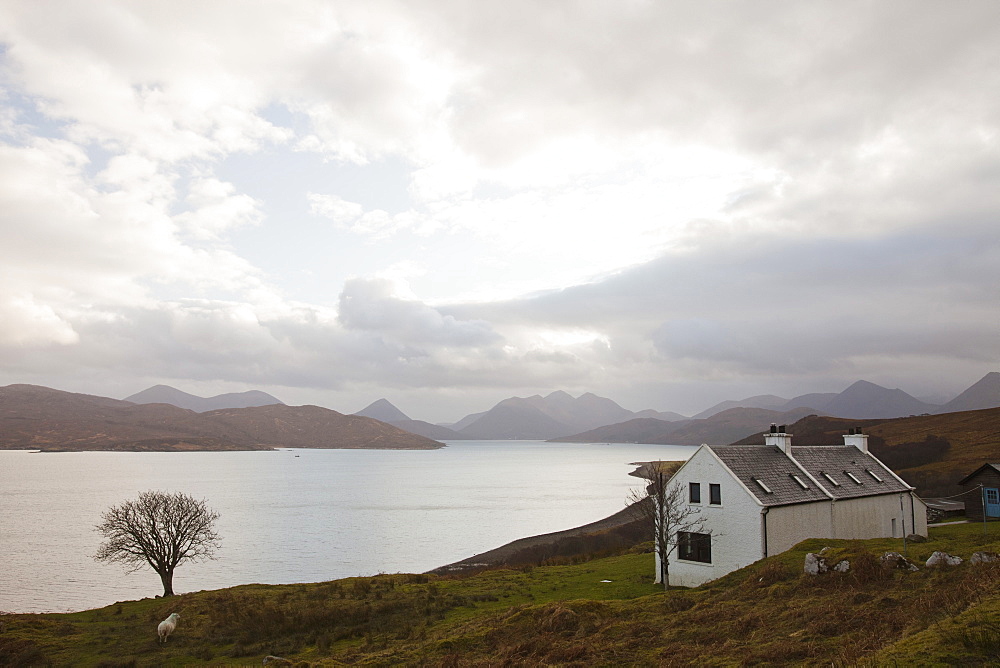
{"points": [[662, 505], [159, 529]]}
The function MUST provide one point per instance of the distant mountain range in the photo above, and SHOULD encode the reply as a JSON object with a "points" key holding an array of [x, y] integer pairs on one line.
{"points": [[724, 427], [386, 412], [161, 415], [33, 417], [164, 394], [590, 418]]}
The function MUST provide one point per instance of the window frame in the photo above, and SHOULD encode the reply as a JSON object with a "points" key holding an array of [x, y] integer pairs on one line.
{"points": [[694, 492], [696, 547], [714, 494]]}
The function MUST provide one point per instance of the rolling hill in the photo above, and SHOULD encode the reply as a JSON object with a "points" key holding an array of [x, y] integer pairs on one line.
{"points": [[603, 612], [164, 394], [34, 417]]}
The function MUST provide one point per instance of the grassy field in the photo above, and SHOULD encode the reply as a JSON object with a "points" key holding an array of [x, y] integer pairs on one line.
{"points": [[601, 612]]}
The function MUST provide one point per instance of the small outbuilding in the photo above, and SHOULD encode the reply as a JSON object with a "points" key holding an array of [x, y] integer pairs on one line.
{"points": [[987, 479]]}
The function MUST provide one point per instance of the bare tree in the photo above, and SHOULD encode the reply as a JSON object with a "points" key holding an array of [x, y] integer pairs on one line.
{"points": [[161, 530], [661, 504]]}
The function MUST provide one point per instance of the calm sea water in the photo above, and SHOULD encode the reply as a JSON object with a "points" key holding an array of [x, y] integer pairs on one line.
{"points": [[299, 515]]}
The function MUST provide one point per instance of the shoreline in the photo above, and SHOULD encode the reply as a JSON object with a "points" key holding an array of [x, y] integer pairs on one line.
{"points": [[507, 554]]}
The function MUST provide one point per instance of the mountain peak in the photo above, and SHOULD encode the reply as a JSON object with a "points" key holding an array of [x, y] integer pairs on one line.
{"points": [[865, 400], [984, 393], [383, 411]]}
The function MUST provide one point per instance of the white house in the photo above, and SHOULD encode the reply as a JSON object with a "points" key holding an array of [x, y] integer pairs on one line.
{"points": [[759, 500]]}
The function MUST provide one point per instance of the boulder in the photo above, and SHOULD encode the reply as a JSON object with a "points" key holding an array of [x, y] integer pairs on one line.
{"points": [[939, 558], [984, 557], [916, 538], [896, 560], [842, 566], [815, 564]]}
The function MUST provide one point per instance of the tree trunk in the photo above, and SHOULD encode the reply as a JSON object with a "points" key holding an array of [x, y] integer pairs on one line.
{"points": [[167, 578]]}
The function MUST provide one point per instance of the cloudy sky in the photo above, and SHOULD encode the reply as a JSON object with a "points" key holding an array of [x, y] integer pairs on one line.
{"points": [[448, 203]]}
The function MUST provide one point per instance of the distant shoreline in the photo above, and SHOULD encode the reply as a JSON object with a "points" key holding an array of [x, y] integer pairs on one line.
{"points": [[502, 555]]}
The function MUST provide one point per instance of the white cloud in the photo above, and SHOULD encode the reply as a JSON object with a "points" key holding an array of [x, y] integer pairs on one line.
{"points": [[217, 208], [656, 177]]}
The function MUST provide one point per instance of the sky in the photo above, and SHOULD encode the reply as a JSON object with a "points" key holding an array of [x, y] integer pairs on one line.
{"points": [[447, 203]]}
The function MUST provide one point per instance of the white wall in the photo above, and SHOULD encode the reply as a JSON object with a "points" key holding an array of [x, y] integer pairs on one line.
{"points": [[872, 517], [735, 525], [788, 525]]}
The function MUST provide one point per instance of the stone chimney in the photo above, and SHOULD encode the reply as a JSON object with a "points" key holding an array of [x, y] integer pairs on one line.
{"points": [[856, 438], [778, 437]]}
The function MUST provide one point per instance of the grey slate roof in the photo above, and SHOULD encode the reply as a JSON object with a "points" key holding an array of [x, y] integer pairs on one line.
{"points": [[837, 460], [773, 468]]}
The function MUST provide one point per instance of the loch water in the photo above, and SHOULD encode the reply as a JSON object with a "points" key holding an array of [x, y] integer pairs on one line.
{"points": [[299, 515]]}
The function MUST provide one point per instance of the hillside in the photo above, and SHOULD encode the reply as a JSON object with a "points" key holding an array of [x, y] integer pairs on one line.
{"points": [[601, 612], [33, 417], [428, 430], [723, 427], [913, 446], [164, 394]]}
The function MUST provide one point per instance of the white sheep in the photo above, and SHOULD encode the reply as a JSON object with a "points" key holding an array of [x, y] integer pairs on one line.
{"points": [[167, 626]]}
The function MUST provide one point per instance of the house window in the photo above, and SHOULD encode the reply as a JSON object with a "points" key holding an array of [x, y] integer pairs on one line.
{"points": [[694, 546], [852, 477], [762, 485], [715, 494], [694, 492], [830, 478], [872, 474], [799, 480]]}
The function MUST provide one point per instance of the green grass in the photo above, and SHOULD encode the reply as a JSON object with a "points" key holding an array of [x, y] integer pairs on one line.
{"points": [[766, 614]]}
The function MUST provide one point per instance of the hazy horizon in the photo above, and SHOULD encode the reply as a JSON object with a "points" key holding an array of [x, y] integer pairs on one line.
{"points": [[445, 205]]}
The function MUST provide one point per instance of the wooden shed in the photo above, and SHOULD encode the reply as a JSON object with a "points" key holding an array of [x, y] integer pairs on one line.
{"points": [[987, 479]]}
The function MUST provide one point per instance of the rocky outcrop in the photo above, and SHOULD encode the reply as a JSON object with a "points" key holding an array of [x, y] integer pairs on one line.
{"points": [[896, 560], [939, 558], [816, 563]]}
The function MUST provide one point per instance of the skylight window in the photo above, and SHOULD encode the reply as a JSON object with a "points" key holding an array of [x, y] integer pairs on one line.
{"points": [[799, 480], [830, 478], [872, 474], [852, 477], [762, 485]]}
